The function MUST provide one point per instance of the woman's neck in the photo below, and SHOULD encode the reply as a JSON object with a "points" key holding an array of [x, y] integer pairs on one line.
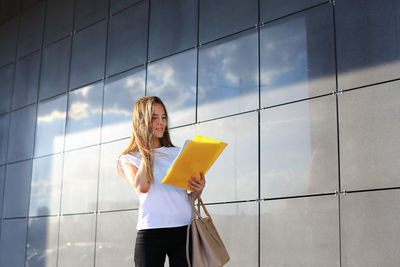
{"points": [[155, 143]]}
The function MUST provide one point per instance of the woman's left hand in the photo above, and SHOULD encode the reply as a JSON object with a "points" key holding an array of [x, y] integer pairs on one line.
{"points": [[197, 185]]}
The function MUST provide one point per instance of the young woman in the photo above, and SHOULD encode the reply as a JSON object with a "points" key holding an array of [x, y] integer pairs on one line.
{"points": [[165, 211]]}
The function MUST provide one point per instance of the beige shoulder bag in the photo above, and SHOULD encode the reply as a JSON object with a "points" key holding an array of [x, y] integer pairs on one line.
{"points": [[208, 250]]}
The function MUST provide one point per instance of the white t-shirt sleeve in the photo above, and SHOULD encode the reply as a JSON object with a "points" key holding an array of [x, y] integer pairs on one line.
{"points": [[134, 159]]}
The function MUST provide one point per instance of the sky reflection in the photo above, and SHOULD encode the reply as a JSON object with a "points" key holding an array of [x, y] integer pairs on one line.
{"points": [[50, 126], [228, 76], [174, 81]]}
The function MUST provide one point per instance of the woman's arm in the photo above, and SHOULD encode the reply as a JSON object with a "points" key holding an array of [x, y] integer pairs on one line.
{"points": [[197, 185], [137, 178]]}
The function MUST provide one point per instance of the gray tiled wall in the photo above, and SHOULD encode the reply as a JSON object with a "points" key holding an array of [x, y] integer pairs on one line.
{"points": [[305, 92]]}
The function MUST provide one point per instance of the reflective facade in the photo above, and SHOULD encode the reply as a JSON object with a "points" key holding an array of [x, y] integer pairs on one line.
{"points": [[306, 93]]}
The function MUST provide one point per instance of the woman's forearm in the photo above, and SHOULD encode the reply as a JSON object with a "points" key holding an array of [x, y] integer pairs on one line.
{"points": [[141, 181], [137, 178]]}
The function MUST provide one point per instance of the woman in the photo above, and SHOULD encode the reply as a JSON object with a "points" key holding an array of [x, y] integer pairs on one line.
{"points": [[165, 211]]}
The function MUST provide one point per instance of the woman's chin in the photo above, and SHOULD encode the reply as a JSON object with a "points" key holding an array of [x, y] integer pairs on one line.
{"points": [[159, 135]]}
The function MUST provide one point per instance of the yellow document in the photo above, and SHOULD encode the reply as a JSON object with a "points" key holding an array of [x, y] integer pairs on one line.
{"points": [[195, 156]]}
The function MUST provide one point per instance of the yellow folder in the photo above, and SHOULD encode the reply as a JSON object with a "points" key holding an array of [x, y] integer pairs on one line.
{"points": [[195, 156]]}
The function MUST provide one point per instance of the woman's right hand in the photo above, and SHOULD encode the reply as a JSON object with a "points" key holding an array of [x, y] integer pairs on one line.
{"points": [[197, 185]]}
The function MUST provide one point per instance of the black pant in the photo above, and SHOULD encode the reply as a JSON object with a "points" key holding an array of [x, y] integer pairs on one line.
{"points": [[153, 244]]}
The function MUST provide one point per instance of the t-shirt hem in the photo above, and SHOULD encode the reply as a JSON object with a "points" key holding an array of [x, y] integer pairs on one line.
{"points": [[162, 226]]}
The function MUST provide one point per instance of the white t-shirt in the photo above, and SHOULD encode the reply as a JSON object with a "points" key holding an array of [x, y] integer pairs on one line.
{"points": [[163, 205]]}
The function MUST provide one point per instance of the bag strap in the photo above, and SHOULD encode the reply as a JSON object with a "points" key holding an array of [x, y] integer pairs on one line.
{"points": [[197, 214], [200, 203], [187, 245]]}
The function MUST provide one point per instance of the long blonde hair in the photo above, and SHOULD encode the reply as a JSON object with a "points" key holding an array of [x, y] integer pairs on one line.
{"points": [[142, 133]]}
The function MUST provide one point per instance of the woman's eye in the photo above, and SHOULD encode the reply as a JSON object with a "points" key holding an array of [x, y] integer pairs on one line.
{"points": [[156, 118]]}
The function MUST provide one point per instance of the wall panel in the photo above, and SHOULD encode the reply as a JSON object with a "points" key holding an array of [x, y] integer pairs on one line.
{"points": [[305, 93]]}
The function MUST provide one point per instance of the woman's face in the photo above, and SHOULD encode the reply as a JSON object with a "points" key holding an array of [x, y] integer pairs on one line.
{"points": [[159, 120]]}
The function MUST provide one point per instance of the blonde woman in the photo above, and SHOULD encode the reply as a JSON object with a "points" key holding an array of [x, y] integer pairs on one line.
{"points": [[165, 210]]}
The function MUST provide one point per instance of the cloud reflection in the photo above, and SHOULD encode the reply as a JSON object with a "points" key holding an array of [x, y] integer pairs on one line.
{"points": [[174, 80], [54, 115], [228, 76], [120, 94], [78, 110], [297, 58], [50, 126], [46, 185]]}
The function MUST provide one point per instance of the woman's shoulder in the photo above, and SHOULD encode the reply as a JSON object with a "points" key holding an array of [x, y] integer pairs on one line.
{"points": [[167, 148], [173, 149], [129, 157], [170, 150]]}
